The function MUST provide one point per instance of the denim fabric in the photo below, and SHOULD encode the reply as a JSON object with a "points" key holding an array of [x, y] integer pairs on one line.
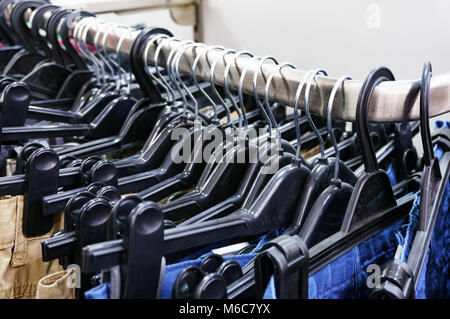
{"points": [[172, 271], [407, 239], [270, 292], [266, 238], [202, 253], [345, 277], [99, 292], [434, 282], [392, 174], [413, 222]]}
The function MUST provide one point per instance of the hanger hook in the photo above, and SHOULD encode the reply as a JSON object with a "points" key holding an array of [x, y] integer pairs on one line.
{"points": [[97, 35], [308, 114], [213, 85], [374, 78], [255, 90], [151, 74], [266, 96], [177, 72], [170, 69], [296, 113], [339, 83], [155, 60], [78, 30], [425, 133], [105, 52], [242, 114], [194, 77], [101, 28], [83, 47], [89, 21], [119, 45], [241, 94]]}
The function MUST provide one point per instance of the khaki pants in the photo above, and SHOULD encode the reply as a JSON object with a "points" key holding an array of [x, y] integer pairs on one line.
{"points": [[21, 265], [59, 285]]}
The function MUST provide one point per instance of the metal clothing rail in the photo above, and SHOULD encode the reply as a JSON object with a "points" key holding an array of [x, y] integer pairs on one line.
{"points": [[391, 101]]}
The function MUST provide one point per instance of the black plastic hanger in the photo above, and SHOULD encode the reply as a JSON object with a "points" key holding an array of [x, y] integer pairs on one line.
{"points": [[151, 157], [257, 175], [106, 123], [5, 26], [5, 31], [371, 208], [266, 213], [400, 278], [335, 197], [16, 19], [321, 174], [14, 101], [250, 186], [217, 183], [46, 79], [25, 60], [161, 119]]}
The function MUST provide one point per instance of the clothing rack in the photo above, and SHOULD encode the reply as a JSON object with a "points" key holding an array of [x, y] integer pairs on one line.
{"points": [[391, 101]]}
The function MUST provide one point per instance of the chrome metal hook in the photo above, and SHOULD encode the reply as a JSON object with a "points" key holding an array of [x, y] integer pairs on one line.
{"points": [[213, 85], [105, 52], [177, 72], [119, 45], [162, 83], [88, 22], [308, 114], [241, 94], [336, 86], [77, 36], [171, 72], [266, 99], [194, 77], [155, 60], [101, 59], [271, 121], [242, 114], [101, 27], [296, 113]]}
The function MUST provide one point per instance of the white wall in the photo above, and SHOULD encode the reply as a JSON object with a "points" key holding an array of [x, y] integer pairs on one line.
{"points": [[339, 36], [156, 16], [343, 37], [153, 17]]}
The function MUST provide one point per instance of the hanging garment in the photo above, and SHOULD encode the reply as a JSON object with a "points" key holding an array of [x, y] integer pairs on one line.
{"points": [[21, 265], [433, 282], [346, 277], [59, 285]]}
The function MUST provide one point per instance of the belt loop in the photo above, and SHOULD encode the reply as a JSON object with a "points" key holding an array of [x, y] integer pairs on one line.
{"points": [[19, 255]]}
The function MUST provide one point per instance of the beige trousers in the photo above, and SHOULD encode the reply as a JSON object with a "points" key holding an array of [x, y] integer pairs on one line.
{"points": [[21, 265]]}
